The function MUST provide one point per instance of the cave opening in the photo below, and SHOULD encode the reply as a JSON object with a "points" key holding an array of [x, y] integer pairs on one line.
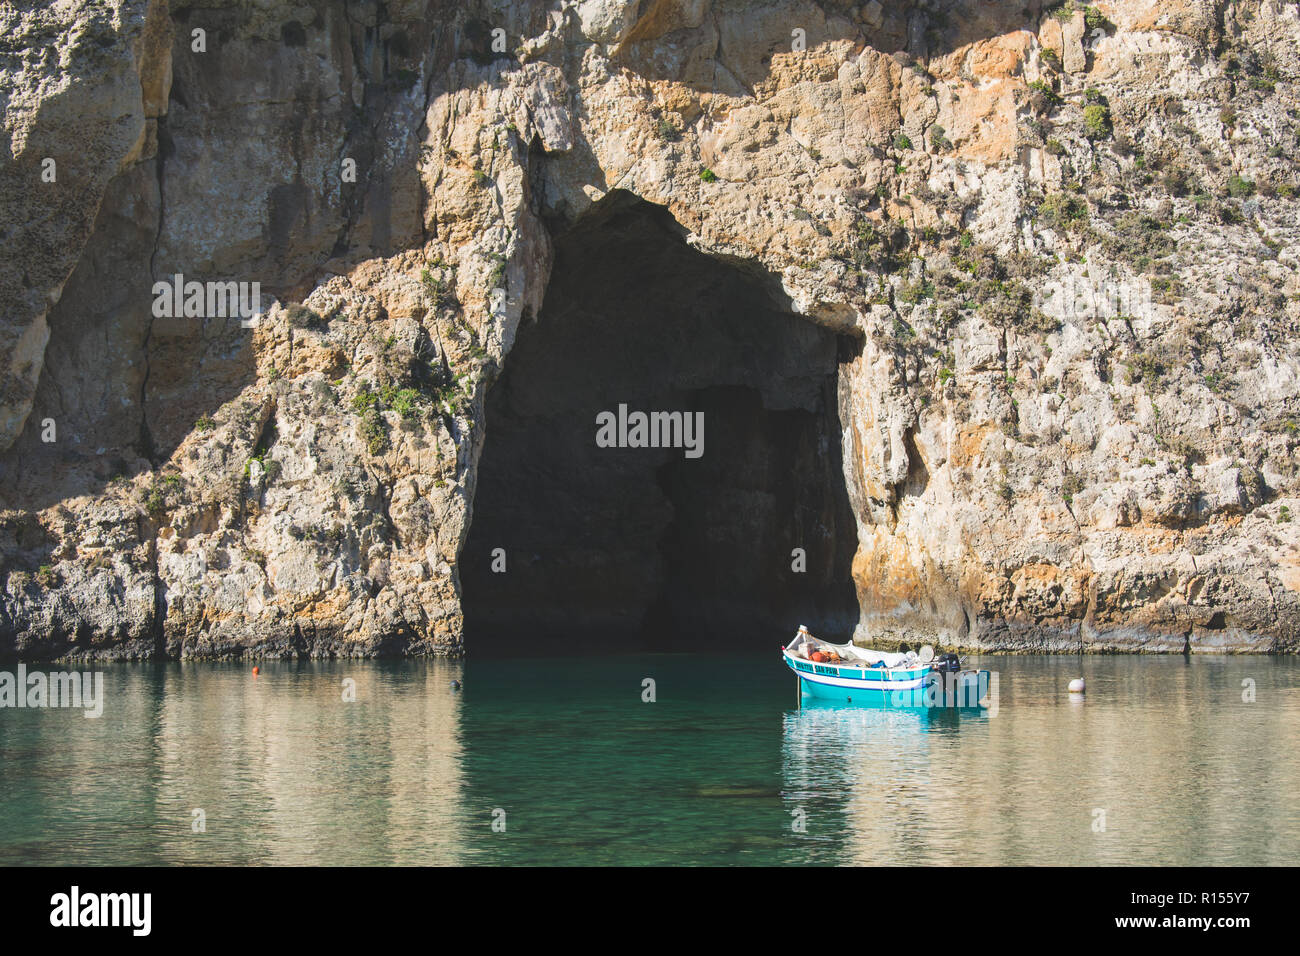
{"points": [[725, 539]]}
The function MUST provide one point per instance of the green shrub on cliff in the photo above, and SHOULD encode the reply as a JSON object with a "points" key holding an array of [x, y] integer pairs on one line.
{"points": [[1061, 9], [1004, 303], [1240, 187], [1096, 121], [375, 431], [913, 292], [301, 317], [365, 399], [270, 467], [1063, 210], [667, 130], [1042, 95], [438, 290], [1094, 19], [1181, 449], [497, 278], [1144, 367], [1139, 240], [1071, 486], [1177, 181], [404, 401], [155, 502]]}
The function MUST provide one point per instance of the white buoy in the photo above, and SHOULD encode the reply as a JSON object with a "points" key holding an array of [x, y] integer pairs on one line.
{"points": [[1076, 686]]}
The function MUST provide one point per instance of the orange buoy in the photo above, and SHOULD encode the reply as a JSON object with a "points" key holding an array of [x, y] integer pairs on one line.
{"points": [[255, 671]]}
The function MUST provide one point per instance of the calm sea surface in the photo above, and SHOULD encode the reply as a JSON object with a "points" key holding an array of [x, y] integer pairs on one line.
{"points": [[1164, 763]]}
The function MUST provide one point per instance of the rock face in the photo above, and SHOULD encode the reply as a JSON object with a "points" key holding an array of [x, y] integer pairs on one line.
{"points": [[1057, 245]]}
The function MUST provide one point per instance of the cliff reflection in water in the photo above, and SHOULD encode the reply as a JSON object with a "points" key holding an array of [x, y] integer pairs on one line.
{"points": [[718, 767], [283, 769]]}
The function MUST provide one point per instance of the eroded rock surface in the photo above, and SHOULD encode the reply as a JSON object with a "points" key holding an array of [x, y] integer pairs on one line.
{"points": [[1064, 240]]}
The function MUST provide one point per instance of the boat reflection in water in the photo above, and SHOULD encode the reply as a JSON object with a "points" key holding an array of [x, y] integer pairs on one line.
{"points": [[864, 779]]}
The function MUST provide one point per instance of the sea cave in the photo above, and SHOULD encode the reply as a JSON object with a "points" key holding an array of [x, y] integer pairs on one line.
{"points": [[725, 536]]}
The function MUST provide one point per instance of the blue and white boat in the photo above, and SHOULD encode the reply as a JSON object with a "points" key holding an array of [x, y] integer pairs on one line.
{"points": [[847, 673]]}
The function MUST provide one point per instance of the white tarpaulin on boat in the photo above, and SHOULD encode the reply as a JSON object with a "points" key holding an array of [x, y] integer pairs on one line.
{"points": [[804, 645]]}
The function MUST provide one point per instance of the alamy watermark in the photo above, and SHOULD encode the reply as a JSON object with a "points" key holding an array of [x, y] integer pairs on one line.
{"points": [[624, 429], [952, 689], [37, 689], [1088, 297], [178, 299], [75, 909]]}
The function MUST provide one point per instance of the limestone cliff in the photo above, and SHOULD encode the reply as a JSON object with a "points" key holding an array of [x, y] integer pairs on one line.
{"points": [[1061, 239]]}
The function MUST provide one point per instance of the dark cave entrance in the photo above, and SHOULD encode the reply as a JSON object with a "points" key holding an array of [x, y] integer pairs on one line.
{"points": [[640, 548]]}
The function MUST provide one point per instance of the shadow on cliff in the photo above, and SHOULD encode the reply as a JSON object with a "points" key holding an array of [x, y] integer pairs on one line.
{"points": [[124, 389]]}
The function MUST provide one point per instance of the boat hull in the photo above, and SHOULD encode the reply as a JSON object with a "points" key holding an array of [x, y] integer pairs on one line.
{"points": [[902, 687]]}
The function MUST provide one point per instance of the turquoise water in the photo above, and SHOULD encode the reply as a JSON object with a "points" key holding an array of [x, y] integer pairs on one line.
{"points": [[720, 768]]}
